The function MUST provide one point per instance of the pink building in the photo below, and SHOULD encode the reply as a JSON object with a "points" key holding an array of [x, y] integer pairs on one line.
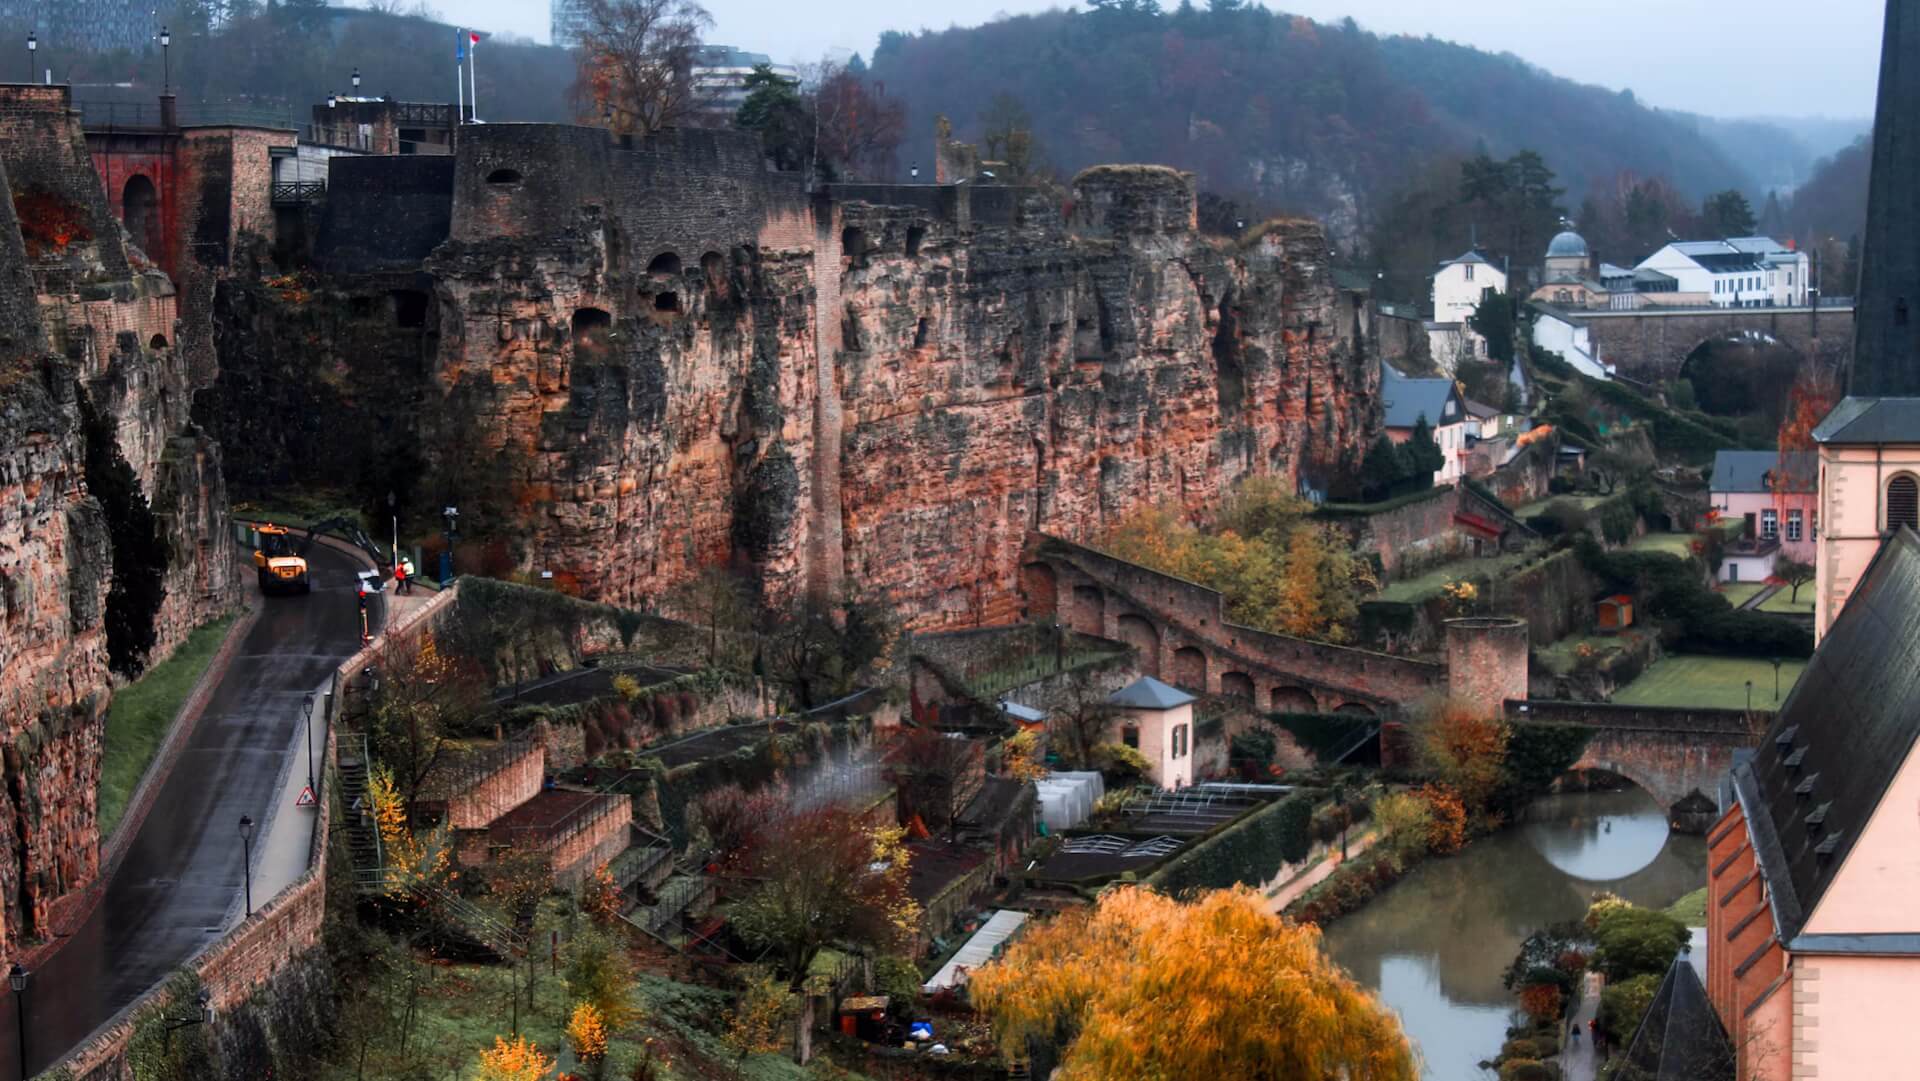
{"points": [[1157, 721], [1778, 496], [1813, 933]]}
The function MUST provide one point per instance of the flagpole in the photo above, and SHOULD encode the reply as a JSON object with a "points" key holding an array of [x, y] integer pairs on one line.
{"points": [[459, 75], [473, 72]]}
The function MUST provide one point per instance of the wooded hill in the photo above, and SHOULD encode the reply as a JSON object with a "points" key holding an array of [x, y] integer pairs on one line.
{"points": [[1278, 111]]}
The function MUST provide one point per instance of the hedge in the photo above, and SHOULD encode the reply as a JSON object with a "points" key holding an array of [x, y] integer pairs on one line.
{"points": [[1366, 510], [1247, 852]]}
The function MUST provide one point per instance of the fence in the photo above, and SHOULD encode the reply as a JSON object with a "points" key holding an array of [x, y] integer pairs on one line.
{"points": [[109, 116]]}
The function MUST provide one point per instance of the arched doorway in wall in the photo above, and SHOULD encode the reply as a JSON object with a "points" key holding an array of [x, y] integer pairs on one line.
{"points": [[140, 213], [1089, 612], [1190, 669], [1237, 685], [1292, 700], [1137, 632], [1041, 590]]}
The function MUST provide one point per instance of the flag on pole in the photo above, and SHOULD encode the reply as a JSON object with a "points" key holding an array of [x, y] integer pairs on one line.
{"points": [[460, 47]]}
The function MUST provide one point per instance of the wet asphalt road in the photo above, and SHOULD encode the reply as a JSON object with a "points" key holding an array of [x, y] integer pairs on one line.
{"points": [[181, 881]]}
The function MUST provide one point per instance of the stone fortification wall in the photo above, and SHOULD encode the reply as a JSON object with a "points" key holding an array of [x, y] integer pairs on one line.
{"points": [[635, 357]]}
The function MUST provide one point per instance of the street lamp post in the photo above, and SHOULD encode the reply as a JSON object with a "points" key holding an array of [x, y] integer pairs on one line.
{"points": [[17, 979], [452, 516], [246, 843], [33, 60], [914, 171], [202, 1016], [1749, 696], [356, 81], [308, 706], [166, 62], [1777, 662]]}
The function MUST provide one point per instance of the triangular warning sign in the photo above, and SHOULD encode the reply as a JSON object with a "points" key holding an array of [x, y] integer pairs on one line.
{"points": [[306, 797]]}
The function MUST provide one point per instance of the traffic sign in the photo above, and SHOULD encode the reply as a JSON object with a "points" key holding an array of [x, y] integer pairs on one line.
{"points": [[306, 797]]}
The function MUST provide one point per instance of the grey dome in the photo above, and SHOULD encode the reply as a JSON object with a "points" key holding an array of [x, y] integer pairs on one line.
{"points": [[1569, 244]]}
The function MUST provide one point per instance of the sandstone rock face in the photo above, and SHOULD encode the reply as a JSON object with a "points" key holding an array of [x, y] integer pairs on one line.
{"points": [[83, 327], [643, 356]]}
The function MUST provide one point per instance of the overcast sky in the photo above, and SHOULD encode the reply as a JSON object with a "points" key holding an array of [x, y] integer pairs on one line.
{"points": [[1744, 58]]}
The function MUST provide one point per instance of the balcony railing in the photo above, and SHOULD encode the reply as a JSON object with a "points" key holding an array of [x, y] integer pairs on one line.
{"points": [[146, 116], [298, 192]]}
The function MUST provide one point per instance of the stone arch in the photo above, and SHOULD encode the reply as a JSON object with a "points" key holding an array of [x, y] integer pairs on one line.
{"points": [[1903, 502], [1356, 709], [1144, 637], [140, 213], [1737, 372], [664, 265], [410, 308], [1237, 685], [1190, 669], [1292, 700], [1087, 611], [1042, 589], [714, 266], [504, 176]]}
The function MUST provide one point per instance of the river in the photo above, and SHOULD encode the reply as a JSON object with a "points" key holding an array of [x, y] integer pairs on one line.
{"points": [[1435, 943]]}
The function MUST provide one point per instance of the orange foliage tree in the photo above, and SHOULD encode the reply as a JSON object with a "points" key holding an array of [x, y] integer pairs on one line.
{"points": [[1146, 986], [1447, 828], [1541, 1001], [520, 1060], [1466, 751], [587, 1033]]}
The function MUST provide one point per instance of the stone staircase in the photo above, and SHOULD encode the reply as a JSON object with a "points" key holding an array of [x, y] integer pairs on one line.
{"points": [[363, 834]]}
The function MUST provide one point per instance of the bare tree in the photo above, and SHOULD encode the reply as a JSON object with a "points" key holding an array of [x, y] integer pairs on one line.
{"points": [[1085, 716], [859, 126], [938, 776], [636, 62], [717, 600]]}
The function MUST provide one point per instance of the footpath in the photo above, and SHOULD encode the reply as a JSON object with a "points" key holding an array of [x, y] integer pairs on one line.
{"points": [[1316, 874], [1577, 1060]]}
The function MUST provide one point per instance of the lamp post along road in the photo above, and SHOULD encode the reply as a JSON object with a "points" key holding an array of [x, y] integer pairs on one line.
{"points": [[166, 61], [246, 843], [33, 59], [17, 979]]}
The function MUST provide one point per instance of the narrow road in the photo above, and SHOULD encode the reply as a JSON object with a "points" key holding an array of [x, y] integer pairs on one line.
{"points": [[180, 884], [1577, 1060]]}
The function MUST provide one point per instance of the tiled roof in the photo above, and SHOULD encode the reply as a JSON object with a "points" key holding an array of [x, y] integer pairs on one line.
{"points": [[1870, 421], [1406, 399], [1149, 693], [1840, 739], [1755, 471], [1680, 1038]]}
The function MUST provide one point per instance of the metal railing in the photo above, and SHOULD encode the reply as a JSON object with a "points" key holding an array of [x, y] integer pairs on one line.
{"points": [[298, 192]]}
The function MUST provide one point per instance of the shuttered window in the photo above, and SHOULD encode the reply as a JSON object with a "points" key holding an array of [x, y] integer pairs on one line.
{"points": [[1903, 503]]}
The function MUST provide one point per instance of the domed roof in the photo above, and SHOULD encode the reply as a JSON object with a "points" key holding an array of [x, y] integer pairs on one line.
{"points": [[1569, 244]]}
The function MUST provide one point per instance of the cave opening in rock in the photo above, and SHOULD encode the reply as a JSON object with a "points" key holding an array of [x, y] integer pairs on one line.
{"points": [[504, 176], [915, 234], [409, 308], [592, 333]]}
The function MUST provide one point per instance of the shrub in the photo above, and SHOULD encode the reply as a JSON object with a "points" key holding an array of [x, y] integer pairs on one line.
{"points": [[1447, 829], [1405, 823], [1634, 941], [1623, 1004], [1120, 764], [1562, 517], [1526, 1069], [1542, 1001]]}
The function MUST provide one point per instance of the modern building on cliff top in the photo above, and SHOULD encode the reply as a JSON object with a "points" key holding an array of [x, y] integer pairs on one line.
{"points": [[1813, 931]]}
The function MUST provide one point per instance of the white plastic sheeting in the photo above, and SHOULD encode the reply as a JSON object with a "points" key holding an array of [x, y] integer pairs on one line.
{"points": [[978, 951], [1067, 798]]}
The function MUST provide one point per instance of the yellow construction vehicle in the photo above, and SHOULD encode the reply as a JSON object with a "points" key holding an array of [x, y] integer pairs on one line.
{"points": [[281, 563]]}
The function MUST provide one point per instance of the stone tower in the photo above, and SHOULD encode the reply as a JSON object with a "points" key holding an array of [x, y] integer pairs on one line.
{"points": [[1886, 348], [1486, 663]]}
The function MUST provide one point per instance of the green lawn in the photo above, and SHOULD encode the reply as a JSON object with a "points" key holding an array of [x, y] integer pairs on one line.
{"points": [[1691, 909], [141, 715], [1420, 588], [1709, 682], [1675, 544], [1586, 502], [1561, 656], [1738, 593], [1780, 601]]}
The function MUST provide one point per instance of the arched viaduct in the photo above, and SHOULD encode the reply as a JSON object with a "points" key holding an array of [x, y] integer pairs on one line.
{"points": [[1651, 344], [1180, 631], [1672, 753]]}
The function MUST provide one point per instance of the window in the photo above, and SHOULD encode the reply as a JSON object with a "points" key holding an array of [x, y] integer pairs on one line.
{"points": [[1793, 525], [1130, 735], [1469, 269], [1180, 741], [1733, 571], [1770, 524], [1813, 532], [1903, 502]]}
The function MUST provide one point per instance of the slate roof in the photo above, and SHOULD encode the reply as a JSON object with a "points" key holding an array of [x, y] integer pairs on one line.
{"points": [[1680, 1038], [1870, 421], [1886, 339], [1405, 399], [1837, 743], [1470, 257], [1752, 470], [1567, 244], [1149, 693]]}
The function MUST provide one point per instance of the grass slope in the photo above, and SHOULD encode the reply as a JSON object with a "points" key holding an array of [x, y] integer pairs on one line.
{"points": [[141, 715], [1709, 683]]}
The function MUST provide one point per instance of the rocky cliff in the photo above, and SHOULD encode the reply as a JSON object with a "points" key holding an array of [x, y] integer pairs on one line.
{"points": [[111, 505], [627, 359]]}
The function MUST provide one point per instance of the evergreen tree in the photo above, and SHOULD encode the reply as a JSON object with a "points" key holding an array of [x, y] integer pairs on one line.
{"points": [[1422, 455], [1382, 469], [1727, 214], [775, 109], [1493, 319]]}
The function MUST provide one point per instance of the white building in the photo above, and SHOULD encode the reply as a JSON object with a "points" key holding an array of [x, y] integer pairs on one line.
{"points": [[1460, 283], [720, 76], [1744, 272], [1406, 402], [1557, 331], [563, 23]]}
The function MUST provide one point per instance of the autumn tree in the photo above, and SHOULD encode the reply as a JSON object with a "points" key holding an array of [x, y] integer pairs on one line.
{"points": [[1006, 136], [937, 776], [859, 126], [520, 1060], [717, 601], [1793, 574], [825, 877], [587, 1035], [599, 972], [636, 62], [726, 822], [1257, 998], [1084, 717], [1466, 751], [421, 695]]}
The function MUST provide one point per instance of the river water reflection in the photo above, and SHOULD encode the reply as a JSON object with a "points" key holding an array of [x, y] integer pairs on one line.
{"points": [[1436, 942]]}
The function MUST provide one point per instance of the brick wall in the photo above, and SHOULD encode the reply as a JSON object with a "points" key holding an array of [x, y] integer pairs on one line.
{"points": [[1486, 662], [1411, 538], [516, 781], [604, 834]]}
